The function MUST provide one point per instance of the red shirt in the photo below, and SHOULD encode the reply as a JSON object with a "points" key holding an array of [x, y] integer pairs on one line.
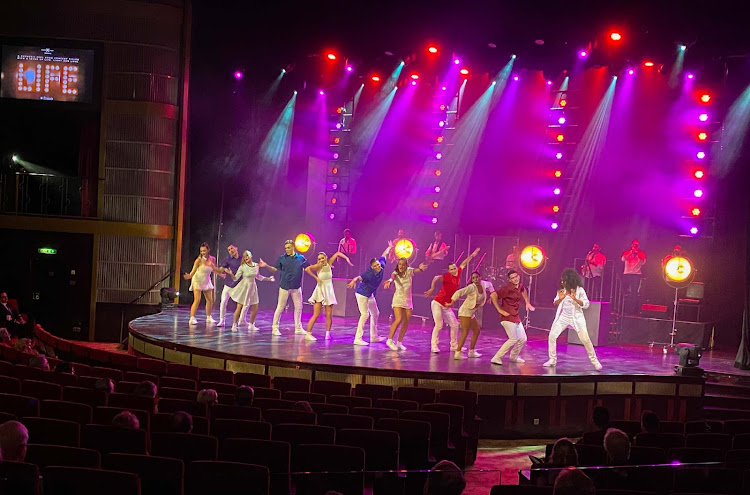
{"points": [[510, 300], [450, 286]]}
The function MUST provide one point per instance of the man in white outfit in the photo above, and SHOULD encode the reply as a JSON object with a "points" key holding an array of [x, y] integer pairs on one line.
{"points": [[291, 265], [367, 285]]}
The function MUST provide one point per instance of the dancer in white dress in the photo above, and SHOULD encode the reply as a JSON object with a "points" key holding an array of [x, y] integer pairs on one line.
{"points": [[476, 296], [323, 295], [245, 293], [200, 282], [402, 305]]}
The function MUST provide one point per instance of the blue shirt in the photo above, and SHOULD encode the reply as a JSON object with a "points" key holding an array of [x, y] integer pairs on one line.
{"points": [[291, 270], [234, 265], [371, 280]]}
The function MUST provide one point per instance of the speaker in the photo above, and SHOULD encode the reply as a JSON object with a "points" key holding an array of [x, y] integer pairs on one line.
{"points": [[597, 323]]}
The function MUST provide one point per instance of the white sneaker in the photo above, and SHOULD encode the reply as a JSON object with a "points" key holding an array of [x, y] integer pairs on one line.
{"points": [[435, 349], [276, 331], [193, 321], [458, 355], [360, 342], [310, 337], [517, 360], [300, 331], [550, 363], [376, 338], [401, 347], [496, 360], [251, 326], [474, 354], [454, 347], [597, 365], [391, 345], [234, 327], [221, 322], [210, 320], [328, 335]]}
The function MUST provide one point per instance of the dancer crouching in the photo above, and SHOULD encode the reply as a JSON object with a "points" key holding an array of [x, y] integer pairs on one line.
{"points": [[402, 304], [475, 298], [323, 295], [245, 293], [367, 285], [571, 300], [507, 301]]}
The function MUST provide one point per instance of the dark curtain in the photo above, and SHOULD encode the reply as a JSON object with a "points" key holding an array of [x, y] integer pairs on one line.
{"points": [[742, 361]]}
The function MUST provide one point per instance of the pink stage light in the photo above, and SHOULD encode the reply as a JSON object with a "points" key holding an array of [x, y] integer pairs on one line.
{"points": [[700, 155], [561, 120], [437, 189], [583, 54], [444, 88], [456, 61], [703, 117], [238, 74], [321, 92], [631, 72], [432, 49], [338, 125], [334, 186], [349, 68], [441, 123], [694, 230], [335, 156], [549, 83], [331, 216], [438, 156], [414, 83], [331, 56], [698, 174], [434, 220], [556, 191], [464, 71], [559, 156], [690, 75], [515, 78], [698, 193], [554, 225]]}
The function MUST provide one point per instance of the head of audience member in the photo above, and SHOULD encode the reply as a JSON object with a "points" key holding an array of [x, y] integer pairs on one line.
{"points": [[445, 478], [617, 446], [181, 422], [563, 453], [302, 405], [39, 362], [13, 439], [105, 385], [244, 395], [146, 388], [25, 346], [601, 417], [649, 422], [207, 396], [573, 481], [4, 337], [65, 367], [126, 419]]}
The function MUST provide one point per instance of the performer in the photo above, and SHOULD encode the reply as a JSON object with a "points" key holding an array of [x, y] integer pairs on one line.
{"points": [[437, 251], [592, 270], [367, 284], [511, 261], [507, 301], [475, 299], [290, 264], [200, 282], [348, 246], [230, 264], [631, 276], [440, 305], [571, 300], [245, 292], [402, 305], [323, 294]]}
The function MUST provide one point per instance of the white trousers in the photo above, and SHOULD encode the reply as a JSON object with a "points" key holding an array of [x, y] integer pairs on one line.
{"points": [[440, 314], [367, 305], [296, 299], [223, 306], [516, 339], [579, 325]]}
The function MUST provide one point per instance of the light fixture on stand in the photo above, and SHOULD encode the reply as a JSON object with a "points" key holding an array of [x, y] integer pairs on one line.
{"points": [[532, 262]]}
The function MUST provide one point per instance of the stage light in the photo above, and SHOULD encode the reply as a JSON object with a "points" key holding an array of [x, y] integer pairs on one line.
{"points": [[532, 260], [334, 187], [696, 212], [583, 54], [559, 138], [694, 230], [432, 49], [683, 48], [698, 174], [434, 220], [705, 98], [555, 208], [333, 201], [464, 71], [321, 92], [556, 191], [631, 72], [456, 61], [335, 156], [493, 83], [338, 125], [702, 136], [435, 204], [438, 173], [563, 102], [700, 155], [414, 83], [335, 171], [561, 120], [331, 216], [690, 357], [703, 117], [698, 193], [558, 173], [349, 68], [441, 123], [331, 56], [549, 83], [14, 158], [304, 242], [515, 78], [615, 36], [438, 156], [375, 78], [404, 248], [414, 76], [513, 56], [648, 63], [168, 295], [238, 75], [336, 140], [554, 225], [690, 75], [679, 270], [444, 88], [440, 139], [559, 156], [437, 189]]}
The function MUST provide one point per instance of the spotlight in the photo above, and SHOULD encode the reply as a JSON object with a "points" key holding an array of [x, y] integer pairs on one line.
{"points": [[304, 242], [683, 48], [549, 83], [335, 156], [441, 123], [698, 193], [444, 88], [690, 357], [703, 117], [694, 230], [493, 83], [333, 201], [563, 102], [14, 158], [440, 139], [404, 248], [238, 74], [335, 187], [336, 140], [168, 295], [513, 56], [559, 138], [434, 220], [648, 63], [555, 208], [705, 98], [331, 56], [335, 170], [331, 216], [631, 72], [435, 204], [432, 49], [414, 83], [456, 61], [696, 212], [338, 125], [464, 71], [559, 156], [556, 191], [438, 156], [554, 225], [532, 259], [375, 78], [698, 174], [561, 120], [583, 54], [515, 78], [321, 92], [438, 173], [414, 76], [700, 155], [437, 189], [702, 136], [349, 68], [615, 36], [558, 173], [690, 75]]}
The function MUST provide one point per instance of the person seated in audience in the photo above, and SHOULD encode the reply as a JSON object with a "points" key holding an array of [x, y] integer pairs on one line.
{"points": [[13, 439], [617, 446], [39, 362], [126, 419], [25, 346], [105, 384], [10, 319], [445, 478], [302, 405], [182, 422], [573, 481], [207, 396], [601, 421], [563, 454], [65, 367], [244, 396], [4, 337], [649, 422], [147, 388]]}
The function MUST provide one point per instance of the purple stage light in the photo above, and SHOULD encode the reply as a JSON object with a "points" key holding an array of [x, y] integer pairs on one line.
{"points": [[331, 216], [583, 54], [321, 92], [698, 193], [556, 191], [561, 120], [456, 61], [434, 219], [549, 83], [554, 225], [437, 189], [441, 123], [338, 125], [631, 72], [238, 75], [703, 117], [349, 68], [694, 230], [690, 75], [558, 156], [414, 83], [444, 88], [700, 155], [438, 156], [335, 187], [515, 78], [335, 156]]}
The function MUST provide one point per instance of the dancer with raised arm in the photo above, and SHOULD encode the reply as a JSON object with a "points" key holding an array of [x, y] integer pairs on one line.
{"points": [[201, 283], [402, 304], [440, 305], [507, 301], [229, 264], [245, 293], [323, 295], [290, 264], [571, 300], [475, 298], [367, 285]]}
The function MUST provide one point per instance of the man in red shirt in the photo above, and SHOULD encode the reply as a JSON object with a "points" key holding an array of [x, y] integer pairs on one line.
{"points": [[507, 301], [440, 305]]}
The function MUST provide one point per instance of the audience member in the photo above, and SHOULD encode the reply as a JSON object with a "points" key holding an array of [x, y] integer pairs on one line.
{"points": [[105, 384], [145, 388], [244, 396], [4, 337], [601, 421], [182, 422], [563, 454], [13, 439], [9, 317], [25, 346], [126, 419], [573, 481], [302, 405], [649, 422], [445, 478], [65, 367], [617, 446], [207, 396], [39, 362]]}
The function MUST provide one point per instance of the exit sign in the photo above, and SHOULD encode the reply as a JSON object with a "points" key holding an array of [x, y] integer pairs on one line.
{"points": [[47, 250]]}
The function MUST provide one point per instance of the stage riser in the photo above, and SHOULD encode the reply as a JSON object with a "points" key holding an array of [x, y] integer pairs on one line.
{"points": [[646, 330]]}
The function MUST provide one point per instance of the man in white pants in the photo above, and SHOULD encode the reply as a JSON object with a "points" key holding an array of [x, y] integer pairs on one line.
{"points": [[291, 265], [367, 285], [440, 305], [507, 301], [231, 262]]}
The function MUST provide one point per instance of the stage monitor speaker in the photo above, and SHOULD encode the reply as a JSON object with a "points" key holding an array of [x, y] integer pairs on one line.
{"points": [[597, 323], [346, 301]]}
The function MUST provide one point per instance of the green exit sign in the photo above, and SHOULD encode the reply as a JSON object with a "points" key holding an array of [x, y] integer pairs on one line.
{"points": [[47, 250]]}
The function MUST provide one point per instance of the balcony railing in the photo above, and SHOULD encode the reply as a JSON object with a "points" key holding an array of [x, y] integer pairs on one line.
{"points": [[24, 193]]}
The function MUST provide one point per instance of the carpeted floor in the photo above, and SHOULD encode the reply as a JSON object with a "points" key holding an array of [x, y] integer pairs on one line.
{"points": [[498, 461]]}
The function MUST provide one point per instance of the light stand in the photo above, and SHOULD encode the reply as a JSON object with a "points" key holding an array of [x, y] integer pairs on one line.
{"points": [[678, 272], [532, 262]]}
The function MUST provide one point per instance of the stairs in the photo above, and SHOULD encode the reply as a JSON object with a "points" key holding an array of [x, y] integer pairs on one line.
{"points": [[726, 397]]}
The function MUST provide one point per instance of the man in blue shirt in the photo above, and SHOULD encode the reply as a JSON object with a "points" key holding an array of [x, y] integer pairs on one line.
{"points": [[233, 262], [291, 265], [367, 284]]}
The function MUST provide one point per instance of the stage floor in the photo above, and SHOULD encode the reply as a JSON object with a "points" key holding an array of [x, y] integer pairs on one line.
{"points": [[170, 329]]}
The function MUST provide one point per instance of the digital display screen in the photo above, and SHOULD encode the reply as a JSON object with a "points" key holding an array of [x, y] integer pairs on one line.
{"points": [[43, 73]]}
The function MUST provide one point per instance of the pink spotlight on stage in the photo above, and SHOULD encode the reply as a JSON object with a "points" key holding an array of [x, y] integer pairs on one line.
{"points": [[515, 78], [694, 230], [549, 83], [561, 120], [331, 216], [556, 191], [437, 189], [238, 74], [321, 92], [414, 83], [456, 61], [349, 68], [444, 88], [698, 193], [703, 117], [700, 155], [554, 225], [690, 75], [434, 219], [438, 156], [631, 72], [559, 156], [583, 54]]}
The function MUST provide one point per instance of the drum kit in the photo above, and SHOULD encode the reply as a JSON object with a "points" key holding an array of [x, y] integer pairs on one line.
{"points": [[498, 275]]}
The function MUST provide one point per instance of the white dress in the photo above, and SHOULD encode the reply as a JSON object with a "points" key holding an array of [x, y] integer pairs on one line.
{"points": [[246, 291], [201, 279], [323, 292], [402, 297], [475, 299]]}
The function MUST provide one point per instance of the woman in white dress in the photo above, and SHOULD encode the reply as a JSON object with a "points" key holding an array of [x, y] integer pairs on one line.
{"points": [[476, 296], [200, 282], [245, 293], [323, 295], [402, 305]]}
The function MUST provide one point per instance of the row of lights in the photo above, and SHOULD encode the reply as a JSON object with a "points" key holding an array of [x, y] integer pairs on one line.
{"points": [[701, 137]]}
